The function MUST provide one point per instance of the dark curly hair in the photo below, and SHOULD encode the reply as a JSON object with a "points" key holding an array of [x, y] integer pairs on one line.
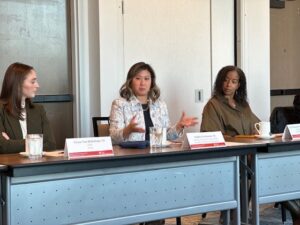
{"points": [[241, 94], [126, 90]]}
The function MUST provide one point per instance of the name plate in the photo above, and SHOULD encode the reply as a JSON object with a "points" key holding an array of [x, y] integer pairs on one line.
{"points": [[291, 131], [204, 140], [88, 147]]}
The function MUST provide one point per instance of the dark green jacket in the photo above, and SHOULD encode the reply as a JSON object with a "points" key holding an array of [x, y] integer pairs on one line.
{"points": [[218, 115], [37, 123]]}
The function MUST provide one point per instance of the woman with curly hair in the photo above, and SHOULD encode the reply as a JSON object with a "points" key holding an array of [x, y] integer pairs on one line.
{"points": [[228, 110]]}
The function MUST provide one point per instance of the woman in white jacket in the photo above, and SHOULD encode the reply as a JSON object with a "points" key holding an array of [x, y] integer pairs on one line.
{"points": [[140, 107]]}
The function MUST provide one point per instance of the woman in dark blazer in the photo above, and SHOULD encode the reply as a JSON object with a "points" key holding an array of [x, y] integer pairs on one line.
{"points": [[18, 115]]}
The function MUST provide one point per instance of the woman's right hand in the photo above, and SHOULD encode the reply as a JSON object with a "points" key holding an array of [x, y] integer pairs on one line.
{"points": [[5, 136], [132, 127]]}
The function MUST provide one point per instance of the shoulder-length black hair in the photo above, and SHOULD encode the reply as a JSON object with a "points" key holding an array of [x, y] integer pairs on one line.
{"points": [[241, 94], [126, 90]]}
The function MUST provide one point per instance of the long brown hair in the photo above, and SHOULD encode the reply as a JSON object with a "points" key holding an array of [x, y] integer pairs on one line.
{"points": [[126, 90], [11, 93]]}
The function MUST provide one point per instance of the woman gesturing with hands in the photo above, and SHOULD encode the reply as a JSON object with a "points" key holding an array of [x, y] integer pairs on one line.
{"points": [[140, 107]]}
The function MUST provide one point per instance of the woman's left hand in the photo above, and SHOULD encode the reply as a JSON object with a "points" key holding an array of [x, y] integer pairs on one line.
{"points": [[186, 121]]}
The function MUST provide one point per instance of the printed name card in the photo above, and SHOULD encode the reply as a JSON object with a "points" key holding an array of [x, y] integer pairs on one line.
{"points": [[204, 140], [291, 131], [88, 147]]}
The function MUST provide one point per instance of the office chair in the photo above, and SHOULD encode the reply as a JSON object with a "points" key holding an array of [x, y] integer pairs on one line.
{"points": [[281, 116], [101, 126]]}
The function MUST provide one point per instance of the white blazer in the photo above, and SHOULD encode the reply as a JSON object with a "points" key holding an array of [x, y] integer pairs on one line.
{"points": [[122, 112]]}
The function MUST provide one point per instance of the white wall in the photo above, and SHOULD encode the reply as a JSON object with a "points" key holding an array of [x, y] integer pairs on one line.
{"points": [[176, 40], [254, 53], [222, 35], [215, 33], [88, 55], [111, 53]]}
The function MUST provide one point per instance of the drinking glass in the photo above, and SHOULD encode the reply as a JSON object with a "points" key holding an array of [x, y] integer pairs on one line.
{"points": [[156, 135], [34, 145]]}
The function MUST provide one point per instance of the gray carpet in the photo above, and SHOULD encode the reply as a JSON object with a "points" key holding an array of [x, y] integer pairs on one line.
{"points": [[268, 216], [272, 216]]}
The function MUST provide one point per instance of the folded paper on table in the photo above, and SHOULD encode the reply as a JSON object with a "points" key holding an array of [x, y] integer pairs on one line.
{"points": [[88, 147], [291, 131], [203, 140]]}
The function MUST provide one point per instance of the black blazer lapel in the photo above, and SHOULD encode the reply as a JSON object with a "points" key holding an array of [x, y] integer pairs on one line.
{"points": [[15, 127]]}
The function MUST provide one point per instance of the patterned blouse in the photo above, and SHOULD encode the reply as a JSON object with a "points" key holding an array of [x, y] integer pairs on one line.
{"points": [[122, 112]]}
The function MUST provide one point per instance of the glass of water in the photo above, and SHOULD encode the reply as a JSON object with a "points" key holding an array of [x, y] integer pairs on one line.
{"points": [[34, 146], [156, 135]]}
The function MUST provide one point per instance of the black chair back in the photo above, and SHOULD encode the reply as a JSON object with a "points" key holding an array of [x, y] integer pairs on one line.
{"points": [[281, 116], [101, 126]]}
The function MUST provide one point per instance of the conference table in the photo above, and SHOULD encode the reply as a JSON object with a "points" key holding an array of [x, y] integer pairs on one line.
{"points": [[275, 173], [132, 186]]}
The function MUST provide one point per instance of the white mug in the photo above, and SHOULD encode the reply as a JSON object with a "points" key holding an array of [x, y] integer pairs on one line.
{"points": [[263, 128]]}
